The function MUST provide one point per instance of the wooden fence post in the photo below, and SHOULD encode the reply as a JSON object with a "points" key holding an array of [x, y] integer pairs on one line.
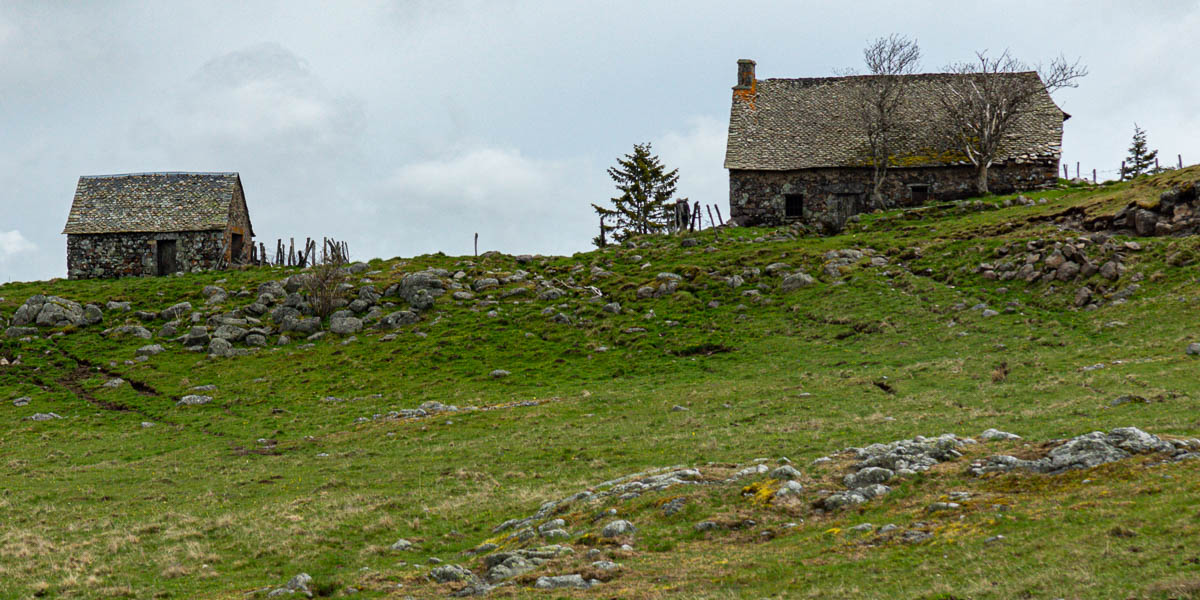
{"points": [[719, 217], [1122, 175], [1066, 173], [1094, 176], [1076, 170], [1180, 157]]}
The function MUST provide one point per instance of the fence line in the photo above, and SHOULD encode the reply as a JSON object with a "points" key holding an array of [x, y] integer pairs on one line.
{"points": [[331, 250]]}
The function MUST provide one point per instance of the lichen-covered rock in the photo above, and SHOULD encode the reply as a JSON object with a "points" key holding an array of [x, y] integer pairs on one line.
{"points": [[449, 573], [555, 582], [796, 281], [618, 527], [345, 325], [175, 311], [868, 476], [1081, 452], [397, 319]]}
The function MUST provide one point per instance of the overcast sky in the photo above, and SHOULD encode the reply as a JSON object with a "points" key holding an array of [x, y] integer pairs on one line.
{"points": [[406, 127]]}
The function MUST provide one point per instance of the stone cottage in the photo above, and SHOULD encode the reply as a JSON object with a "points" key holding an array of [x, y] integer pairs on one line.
{"points": [[157, 224], [797, 151]]}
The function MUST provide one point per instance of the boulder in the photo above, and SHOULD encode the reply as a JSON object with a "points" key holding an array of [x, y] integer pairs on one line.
{"points": [[92, 314], [175, 311], [397, 319], [59, 312], [345, 325], [231, 333], [867, 476], [220, 347], [485, 283], [555, 582], [616, 528], [196, 336], [795, 281], [307, 326], [133, 330], [421, 299], [420, 288]]}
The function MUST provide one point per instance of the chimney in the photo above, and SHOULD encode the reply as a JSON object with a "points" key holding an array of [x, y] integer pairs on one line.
{"points": [[745, 78]]}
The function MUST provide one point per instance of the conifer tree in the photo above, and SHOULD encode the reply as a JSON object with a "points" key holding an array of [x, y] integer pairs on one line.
{"points": [[645, 204], [1141, 158]]}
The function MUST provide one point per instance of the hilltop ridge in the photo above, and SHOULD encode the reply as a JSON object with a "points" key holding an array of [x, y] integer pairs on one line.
{"points": [[902, 410]]}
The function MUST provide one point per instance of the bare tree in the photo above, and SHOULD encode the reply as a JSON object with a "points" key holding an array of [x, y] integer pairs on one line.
{"points": [[324, 285], [879, 98], [990, 96]]}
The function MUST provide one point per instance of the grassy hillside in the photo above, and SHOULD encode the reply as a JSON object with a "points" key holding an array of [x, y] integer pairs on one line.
{"points": [[303, 460]]}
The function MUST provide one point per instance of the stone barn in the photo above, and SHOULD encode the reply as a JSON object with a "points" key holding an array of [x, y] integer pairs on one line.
{"points": [[157, 224], [797, 151]]}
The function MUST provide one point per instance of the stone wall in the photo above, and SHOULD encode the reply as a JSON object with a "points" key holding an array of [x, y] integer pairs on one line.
{"points": [[829, 195], [135, 254], [239, 223]]}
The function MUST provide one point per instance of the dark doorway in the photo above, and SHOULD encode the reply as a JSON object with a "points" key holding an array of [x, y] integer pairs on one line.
{"points": [[167, 262], [793, 205], [235, 249], [919, 193]]}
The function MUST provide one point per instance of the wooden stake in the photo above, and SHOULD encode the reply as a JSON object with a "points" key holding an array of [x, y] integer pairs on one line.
{"points": [[1180, 157], [1094, 176], [711, 222], [719, 217], [1077, 170], [1066, 173], [477, 237], [1122, 171]]}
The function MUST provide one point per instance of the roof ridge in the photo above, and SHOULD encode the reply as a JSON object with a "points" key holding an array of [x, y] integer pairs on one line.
{"points": [[939, 74], [197, 173]]}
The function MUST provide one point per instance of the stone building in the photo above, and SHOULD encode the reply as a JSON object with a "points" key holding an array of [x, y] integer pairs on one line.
{"points": [[157, 224], [797, 150]]}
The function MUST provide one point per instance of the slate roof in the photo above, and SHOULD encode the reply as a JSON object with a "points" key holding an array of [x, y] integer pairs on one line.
{"points": [[152, 202], [810, 122]]}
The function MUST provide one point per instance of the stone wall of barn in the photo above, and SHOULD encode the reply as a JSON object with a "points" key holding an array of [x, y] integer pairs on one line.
{"points": [[136, 254], [829, 195], [239, 223]]}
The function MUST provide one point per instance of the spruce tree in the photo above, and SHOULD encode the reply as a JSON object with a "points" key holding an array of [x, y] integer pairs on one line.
{"points": [[1141, 158], [647, 188]]}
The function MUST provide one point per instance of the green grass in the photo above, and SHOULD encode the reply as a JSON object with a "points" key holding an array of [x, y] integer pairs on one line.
{"points": [[95, 505]]}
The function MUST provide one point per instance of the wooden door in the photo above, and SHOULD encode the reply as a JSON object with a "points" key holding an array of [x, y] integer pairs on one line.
{"points": [[167, 261]]}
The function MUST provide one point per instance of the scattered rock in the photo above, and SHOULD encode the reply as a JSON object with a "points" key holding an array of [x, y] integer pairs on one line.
{"points": [[175, 311], [345, 325], [1082, 452], [996, 434], [616, 528], [786, 472], [193, 399], [499, 373], [296, 585], [574, 580], [43, 417], [449, 573], [796, 281]]}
